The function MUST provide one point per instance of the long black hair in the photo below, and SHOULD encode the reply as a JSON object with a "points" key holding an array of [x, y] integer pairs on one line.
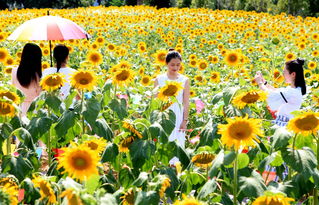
{"points": [[172, 54], [30, 68], [296, 66], [60, 53]]}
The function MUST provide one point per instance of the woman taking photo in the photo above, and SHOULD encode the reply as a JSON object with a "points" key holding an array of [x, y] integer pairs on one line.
{"points": [[289, 99]]}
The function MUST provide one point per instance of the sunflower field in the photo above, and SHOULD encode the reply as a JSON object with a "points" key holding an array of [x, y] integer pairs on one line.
{"points": [[107, 142]]}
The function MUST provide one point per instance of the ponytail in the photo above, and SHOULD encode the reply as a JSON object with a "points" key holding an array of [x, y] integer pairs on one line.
{"points": [[60, 53], [296, 66]]}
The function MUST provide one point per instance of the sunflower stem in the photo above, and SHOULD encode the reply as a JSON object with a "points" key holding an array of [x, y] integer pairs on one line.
{"points": [[82, 117], [315, 191], [293, 145], [49, 141], [8, 139], [235, 178]]}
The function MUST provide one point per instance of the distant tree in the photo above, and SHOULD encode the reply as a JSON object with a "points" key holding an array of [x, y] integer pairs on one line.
{"points": [[131, 2]]}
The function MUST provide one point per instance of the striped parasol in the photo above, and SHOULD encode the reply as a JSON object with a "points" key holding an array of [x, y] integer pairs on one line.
{"points": [[48, 28]]}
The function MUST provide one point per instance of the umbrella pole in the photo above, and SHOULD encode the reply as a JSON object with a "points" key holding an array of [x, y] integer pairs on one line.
{"points": [[50, 53]]}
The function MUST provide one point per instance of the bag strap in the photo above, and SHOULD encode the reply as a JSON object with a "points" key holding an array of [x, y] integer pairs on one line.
{"points": [[282, 95]]}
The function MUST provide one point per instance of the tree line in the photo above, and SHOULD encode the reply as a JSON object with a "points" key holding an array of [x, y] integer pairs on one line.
{"points": [[293, 7]]}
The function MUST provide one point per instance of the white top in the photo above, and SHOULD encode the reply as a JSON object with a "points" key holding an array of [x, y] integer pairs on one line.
{"points": [[161, 79], [277, 102], [65, 90]]}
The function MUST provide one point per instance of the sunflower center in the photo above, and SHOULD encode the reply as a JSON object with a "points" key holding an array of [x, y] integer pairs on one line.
{"points": [[232, 58], [2, 55], [84, 81], [53, 81], [162, 57], [307, 123], [250, 98], [170, 91], [8, 95], [240, 131], [199, 78], [93, 146], [146, 80], [44, 188], [203, 65], [80, 162], [5, 108], [123, 76]]}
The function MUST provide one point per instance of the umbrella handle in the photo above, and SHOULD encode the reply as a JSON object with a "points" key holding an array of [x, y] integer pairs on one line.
{"points": [[50, 53]]}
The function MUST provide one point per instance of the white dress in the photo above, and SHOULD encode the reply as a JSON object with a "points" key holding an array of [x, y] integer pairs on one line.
{"points": [[67, 72], [177, 108], [285, 101]]}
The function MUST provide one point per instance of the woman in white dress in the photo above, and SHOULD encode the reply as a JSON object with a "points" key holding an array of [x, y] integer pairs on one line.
{"points": [[61, 56], [181, 107], [289, 99]]}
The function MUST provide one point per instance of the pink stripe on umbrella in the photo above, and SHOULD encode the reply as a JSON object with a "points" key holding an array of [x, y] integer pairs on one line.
{"points": [[53, 32]]}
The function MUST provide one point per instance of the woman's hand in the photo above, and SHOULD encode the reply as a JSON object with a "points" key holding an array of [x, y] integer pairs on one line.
{"points": [[259, 78], [183, 126]]}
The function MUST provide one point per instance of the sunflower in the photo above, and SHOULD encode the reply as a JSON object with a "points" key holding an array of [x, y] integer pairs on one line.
{"points": [[46, 190], [232, 58], [188, 201], [169, 90], [166, 182], [240, 132], [45, 52], [125, 144], [9, 61], [52, 82], [301, 46], [79, 162], [10, 95], [45, 65], [202, 65], [83, 80], [315, 53], [192, 93], [312, 65], [141, 71], [249, 98], [6, 109], [128, 198], [9, 194], [203, 159], [100, 40], [128, 125], [3, 54], [289, 56], [306, 123], [160, 57], [215, 77], [273, 199], [8, 70], [192, 57], [146, 80], [193, 63], [95, 58], [123, 77], [200, 80], [97, 144], [214, 59], [73, 199], [166, 105], [124, 65], [141, 47], [111, 47]]}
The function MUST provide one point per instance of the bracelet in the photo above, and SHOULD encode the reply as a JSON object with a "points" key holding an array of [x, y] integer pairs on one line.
{"points": [[265, 83], [185, 120]]}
